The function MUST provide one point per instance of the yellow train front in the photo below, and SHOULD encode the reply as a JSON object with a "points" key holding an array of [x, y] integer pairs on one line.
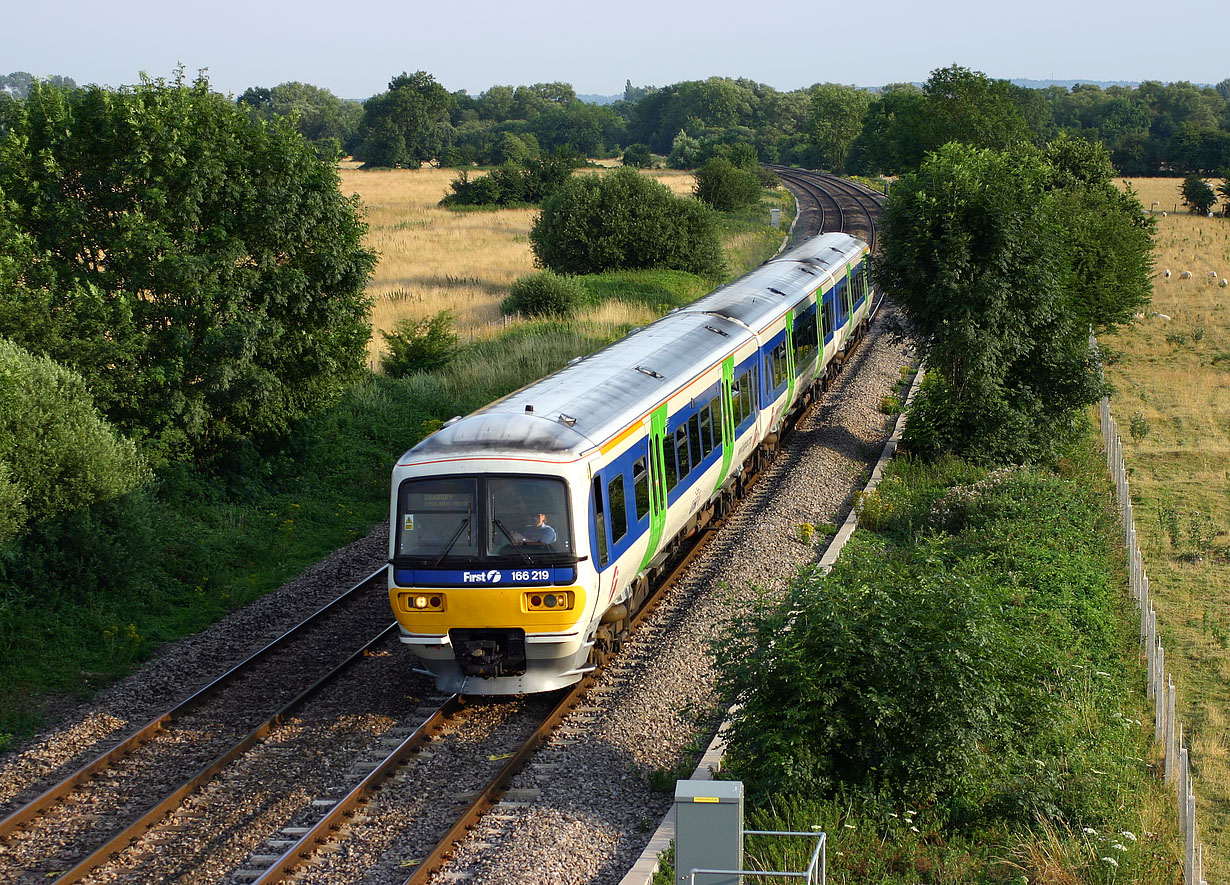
{"points": [[485, 576], [523, 535]]}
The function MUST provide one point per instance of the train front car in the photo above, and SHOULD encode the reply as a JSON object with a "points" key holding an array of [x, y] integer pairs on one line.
{"points": [[484, 574]]}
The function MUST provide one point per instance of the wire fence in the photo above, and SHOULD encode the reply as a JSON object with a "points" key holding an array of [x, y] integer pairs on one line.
{"points": [[1160, 688]]}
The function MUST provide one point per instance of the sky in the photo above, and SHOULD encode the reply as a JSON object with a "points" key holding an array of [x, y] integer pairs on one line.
{"points": [[354, 49]]}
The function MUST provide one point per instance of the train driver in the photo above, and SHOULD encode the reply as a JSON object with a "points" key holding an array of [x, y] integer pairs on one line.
{"points": [[539, 534]]}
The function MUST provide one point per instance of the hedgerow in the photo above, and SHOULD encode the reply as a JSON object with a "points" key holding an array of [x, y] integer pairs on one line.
{"points": [[967, 656]]}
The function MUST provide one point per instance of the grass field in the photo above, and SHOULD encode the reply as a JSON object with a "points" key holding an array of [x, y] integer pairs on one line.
{"points": [[434, 259], [1171, 373]]}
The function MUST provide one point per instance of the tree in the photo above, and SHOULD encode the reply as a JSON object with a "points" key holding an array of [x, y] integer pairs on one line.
{"points": [[321, 117], [1000, 265], [200, 270], [685, 152], [404, 126], [836, 120], [956, 104], [624, 221], [1224, 190], [638, 155], [725, 186], [1198, 194]]}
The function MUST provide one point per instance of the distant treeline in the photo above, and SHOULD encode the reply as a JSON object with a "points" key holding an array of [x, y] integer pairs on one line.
{"points": [[1153, 128]]}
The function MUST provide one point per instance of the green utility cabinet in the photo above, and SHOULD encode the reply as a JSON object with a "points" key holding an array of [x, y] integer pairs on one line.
{"points": [[708, 831]]}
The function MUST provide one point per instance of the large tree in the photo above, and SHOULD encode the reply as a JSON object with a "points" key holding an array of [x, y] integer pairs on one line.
{"points": [[1001, 262], [836, 120], [200, 270], [406, 126]]}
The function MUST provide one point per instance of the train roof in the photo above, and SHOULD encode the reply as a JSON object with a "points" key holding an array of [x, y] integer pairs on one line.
{"points": [[756, 299], [594, 398]]}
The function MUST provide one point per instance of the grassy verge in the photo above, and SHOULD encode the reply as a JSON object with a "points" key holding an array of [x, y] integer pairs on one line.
{"points": [[214, 538], [958, 701]]}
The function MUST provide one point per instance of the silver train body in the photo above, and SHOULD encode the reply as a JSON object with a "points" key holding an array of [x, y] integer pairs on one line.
{"points": [[524, 534]]}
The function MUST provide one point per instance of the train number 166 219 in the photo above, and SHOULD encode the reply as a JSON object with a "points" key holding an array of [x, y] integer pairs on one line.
{"points": [[537, 574]]}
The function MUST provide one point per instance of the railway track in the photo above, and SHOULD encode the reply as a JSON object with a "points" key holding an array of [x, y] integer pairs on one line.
{"points": [[332, 832], [432, 756], [96, 810], [831, 203]]}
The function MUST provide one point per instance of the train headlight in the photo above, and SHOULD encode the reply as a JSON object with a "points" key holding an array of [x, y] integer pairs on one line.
{"points": [[420, 602], [556, 600]]}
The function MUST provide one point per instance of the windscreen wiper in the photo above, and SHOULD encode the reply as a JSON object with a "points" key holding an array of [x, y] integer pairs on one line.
{"points": [[507, 534], [461, 526]]}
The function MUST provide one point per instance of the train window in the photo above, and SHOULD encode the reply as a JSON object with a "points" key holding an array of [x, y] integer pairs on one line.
{"points": [[681, 447], [438, 516], [527, 515], [706, 431], [600, 524], [829, 324], [715, 409], [698, 454], [736, 401], [640, 486], [804, 340], [777, 365], [746, 391], [840, 294], [619, 512]]}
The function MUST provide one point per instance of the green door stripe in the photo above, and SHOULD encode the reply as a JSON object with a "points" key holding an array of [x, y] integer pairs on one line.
{"points": [[728, 418], [657, 481], [789, 356]]}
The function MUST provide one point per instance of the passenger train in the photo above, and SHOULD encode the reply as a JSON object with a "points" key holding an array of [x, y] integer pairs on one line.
{"points": [[525, 535]]}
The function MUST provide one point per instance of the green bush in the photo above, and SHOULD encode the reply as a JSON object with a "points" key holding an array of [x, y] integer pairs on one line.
{"points": [[56, 453], [420, 345], [624, 221], [725, 186], [546, 294], [638, 155], [957, 657]]}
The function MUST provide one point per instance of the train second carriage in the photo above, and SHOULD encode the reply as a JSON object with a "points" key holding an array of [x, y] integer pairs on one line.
{"points": [[524, 536]]}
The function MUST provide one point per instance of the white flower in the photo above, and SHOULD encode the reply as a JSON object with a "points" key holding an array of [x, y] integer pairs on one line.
{"points": [[1119, 846], [914, 829], [1111, 861], [892, 814], [851, 827], [1128, 834], [1039, 763], [1089, 831]]}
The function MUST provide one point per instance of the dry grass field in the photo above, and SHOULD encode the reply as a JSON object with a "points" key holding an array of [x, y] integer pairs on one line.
{"points": [[1171, 373], [434, 259]]}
